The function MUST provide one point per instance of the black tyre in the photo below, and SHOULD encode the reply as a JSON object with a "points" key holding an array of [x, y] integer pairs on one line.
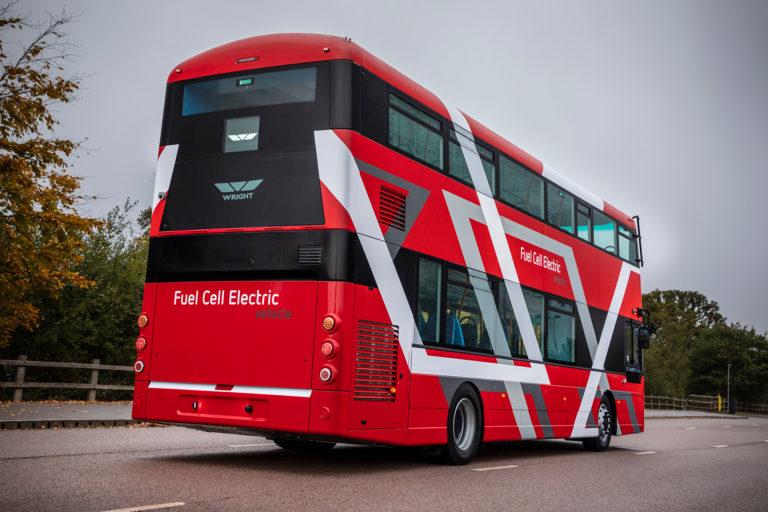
{"points": [[300, 445], [604, 428], [465, 426]]}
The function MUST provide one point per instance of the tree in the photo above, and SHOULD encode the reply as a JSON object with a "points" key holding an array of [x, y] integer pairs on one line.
{"points": [[742, 347], [98, 321], [41, 232], [679, 318]]}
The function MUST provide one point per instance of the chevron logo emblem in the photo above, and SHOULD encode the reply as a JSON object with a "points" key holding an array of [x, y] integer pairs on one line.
{"points": [[238, 137], [237, 190]]}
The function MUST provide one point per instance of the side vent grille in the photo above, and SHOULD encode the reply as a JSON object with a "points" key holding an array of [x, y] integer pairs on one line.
{"points": [[310, 254], [375, 361], [392, 208]]}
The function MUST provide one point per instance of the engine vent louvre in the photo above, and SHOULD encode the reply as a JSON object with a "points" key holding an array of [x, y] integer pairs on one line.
{"points": [[392, 208], [376, 361], [310, 254]]}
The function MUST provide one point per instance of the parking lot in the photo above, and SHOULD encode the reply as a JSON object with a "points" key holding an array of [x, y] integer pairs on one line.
{"points": [[677, 464]]}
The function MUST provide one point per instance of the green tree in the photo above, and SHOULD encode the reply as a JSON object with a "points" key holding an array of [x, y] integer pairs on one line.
{"points": [[41, 231], [679, 318], [98, 321], [747, 352]]}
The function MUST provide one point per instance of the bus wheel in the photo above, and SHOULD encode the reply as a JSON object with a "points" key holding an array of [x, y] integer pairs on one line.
{"points": [[604, 429], [465, 426], [300, 445]]}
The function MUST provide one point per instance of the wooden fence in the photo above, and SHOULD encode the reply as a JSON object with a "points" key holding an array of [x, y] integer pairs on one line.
{"points": [[21, 364], [709, 403]]}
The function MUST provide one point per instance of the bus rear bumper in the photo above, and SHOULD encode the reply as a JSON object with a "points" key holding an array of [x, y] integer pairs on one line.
{"points": [[251, 408]]}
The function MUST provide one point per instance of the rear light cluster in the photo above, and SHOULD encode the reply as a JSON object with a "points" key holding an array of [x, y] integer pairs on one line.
{"points": [[141, 342], [329, 348]]}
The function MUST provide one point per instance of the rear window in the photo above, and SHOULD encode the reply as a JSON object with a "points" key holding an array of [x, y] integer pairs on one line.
{"points": [[244, 91]]}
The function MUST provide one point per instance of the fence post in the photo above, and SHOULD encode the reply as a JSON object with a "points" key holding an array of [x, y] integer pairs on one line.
{"points": [[94, 381], [20, 372]]}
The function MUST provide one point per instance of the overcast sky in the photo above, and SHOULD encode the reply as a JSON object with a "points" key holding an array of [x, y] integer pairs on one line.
{"points": [[660, 108]]}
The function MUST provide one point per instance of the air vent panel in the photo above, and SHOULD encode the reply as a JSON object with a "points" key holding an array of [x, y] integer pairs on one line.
{"points": [[310, 254], [392, 208], [376, 361]]}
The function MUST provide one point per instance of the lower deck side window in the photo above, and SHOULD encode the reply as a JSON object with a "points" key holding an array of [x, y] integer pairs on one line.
{"points": [[561, 332]]}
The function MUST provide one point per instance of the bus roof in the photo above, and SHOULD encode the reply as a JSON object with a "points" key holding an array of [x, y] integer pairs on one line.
{"points": [[283, 49]]}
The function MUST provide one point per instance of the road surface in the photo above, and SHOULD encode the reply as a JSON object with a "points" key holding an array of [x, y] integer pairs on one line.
{"points": [[686, 464]]}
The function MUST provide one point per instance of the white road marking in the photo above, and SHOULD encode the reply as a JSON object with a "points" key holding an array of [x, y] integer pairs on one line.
{"points": [[766, 441], [690, 428], [644, 453], [148, 507], [250, 445], [494, 467], [720, 446], [726, 426]]}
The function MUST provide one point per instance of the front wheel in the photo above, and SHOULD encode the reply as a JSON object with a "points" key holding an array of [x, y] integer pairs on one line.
{"points": [[465, 426], [604, 429], [300, 445]]}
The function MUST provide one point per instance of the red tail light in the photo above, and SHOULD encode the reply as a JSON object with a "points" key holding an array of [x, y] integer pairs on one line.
{"points": [[326, 374], [141, 344], [328, 348]]}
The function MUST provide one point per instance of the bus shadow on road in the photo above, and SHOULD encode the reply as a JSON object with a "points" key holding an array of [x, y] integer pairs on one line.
{"points": [[351, 459]]}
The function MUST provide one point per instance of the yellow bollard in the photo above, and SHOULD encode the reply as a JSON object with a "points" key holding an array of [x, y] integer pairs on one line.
{"points": [[719, 403]]}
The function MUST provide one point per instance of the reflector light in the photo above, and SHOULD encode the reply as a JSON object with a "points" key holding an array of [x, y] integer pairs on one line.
{"points": [[138, 366], [142, 321], [329, 322], [393, 390], [141, 344], [326, 374], [327, 348]]}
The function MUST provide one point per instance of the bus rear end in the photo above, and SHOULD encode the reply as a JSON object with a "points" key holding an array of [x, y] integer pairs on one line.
{"points": [[249, 294]]}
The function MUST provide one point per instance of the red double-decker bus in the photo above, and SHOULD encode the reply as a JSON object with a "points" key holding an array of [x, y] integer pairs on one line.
{"points": [[337, 255]]}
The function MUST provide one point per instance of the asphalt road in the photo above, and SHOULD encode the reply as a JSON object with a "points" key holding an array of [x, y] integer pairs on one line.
{"points": [[689, 464]]}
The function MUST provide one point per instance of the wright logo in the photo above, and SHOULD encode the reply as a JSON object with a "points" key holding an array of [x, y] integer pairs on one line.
{"points": [[237, 190]]}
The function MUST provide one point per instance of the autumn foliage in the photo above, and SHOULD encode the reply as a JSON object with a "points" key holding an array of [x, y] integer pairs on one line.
{"points": [[41, 232]]}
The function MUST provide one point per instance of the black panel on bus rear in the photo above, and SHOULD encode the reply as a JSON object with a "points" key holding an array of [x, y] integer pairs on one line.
{"points": [[270, 189], [328, 255]]}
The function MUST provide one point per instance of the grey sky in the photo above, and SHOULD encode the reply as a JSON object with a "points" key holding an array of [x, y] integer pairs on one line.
{"points": [[661, 108]]}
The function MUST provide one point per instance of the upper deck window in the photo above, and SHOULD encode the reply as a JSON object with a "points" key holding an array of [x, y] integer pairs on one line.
{"points": [[604, 232], [560, 208], [627, 245], [521, 188], [457, 165], [243, 91], [415, 132]]}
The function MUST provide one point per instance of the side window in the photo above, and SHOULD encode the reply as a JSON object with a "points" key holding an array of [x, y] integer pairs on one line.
{"points": [[604, 232], [631, 346], [457, 165], [486, 158], [464, 326], [561, 332], [560, 208], [583, 222], [627, 245], [428, 307], [521, 187], [415, 132], [535, 305]]}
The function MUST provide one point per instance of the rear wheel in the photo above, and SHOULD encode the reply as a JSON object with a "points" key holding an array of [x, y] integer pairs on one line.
{"points": [[604, 429], [465, 426], [300, 445]]}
